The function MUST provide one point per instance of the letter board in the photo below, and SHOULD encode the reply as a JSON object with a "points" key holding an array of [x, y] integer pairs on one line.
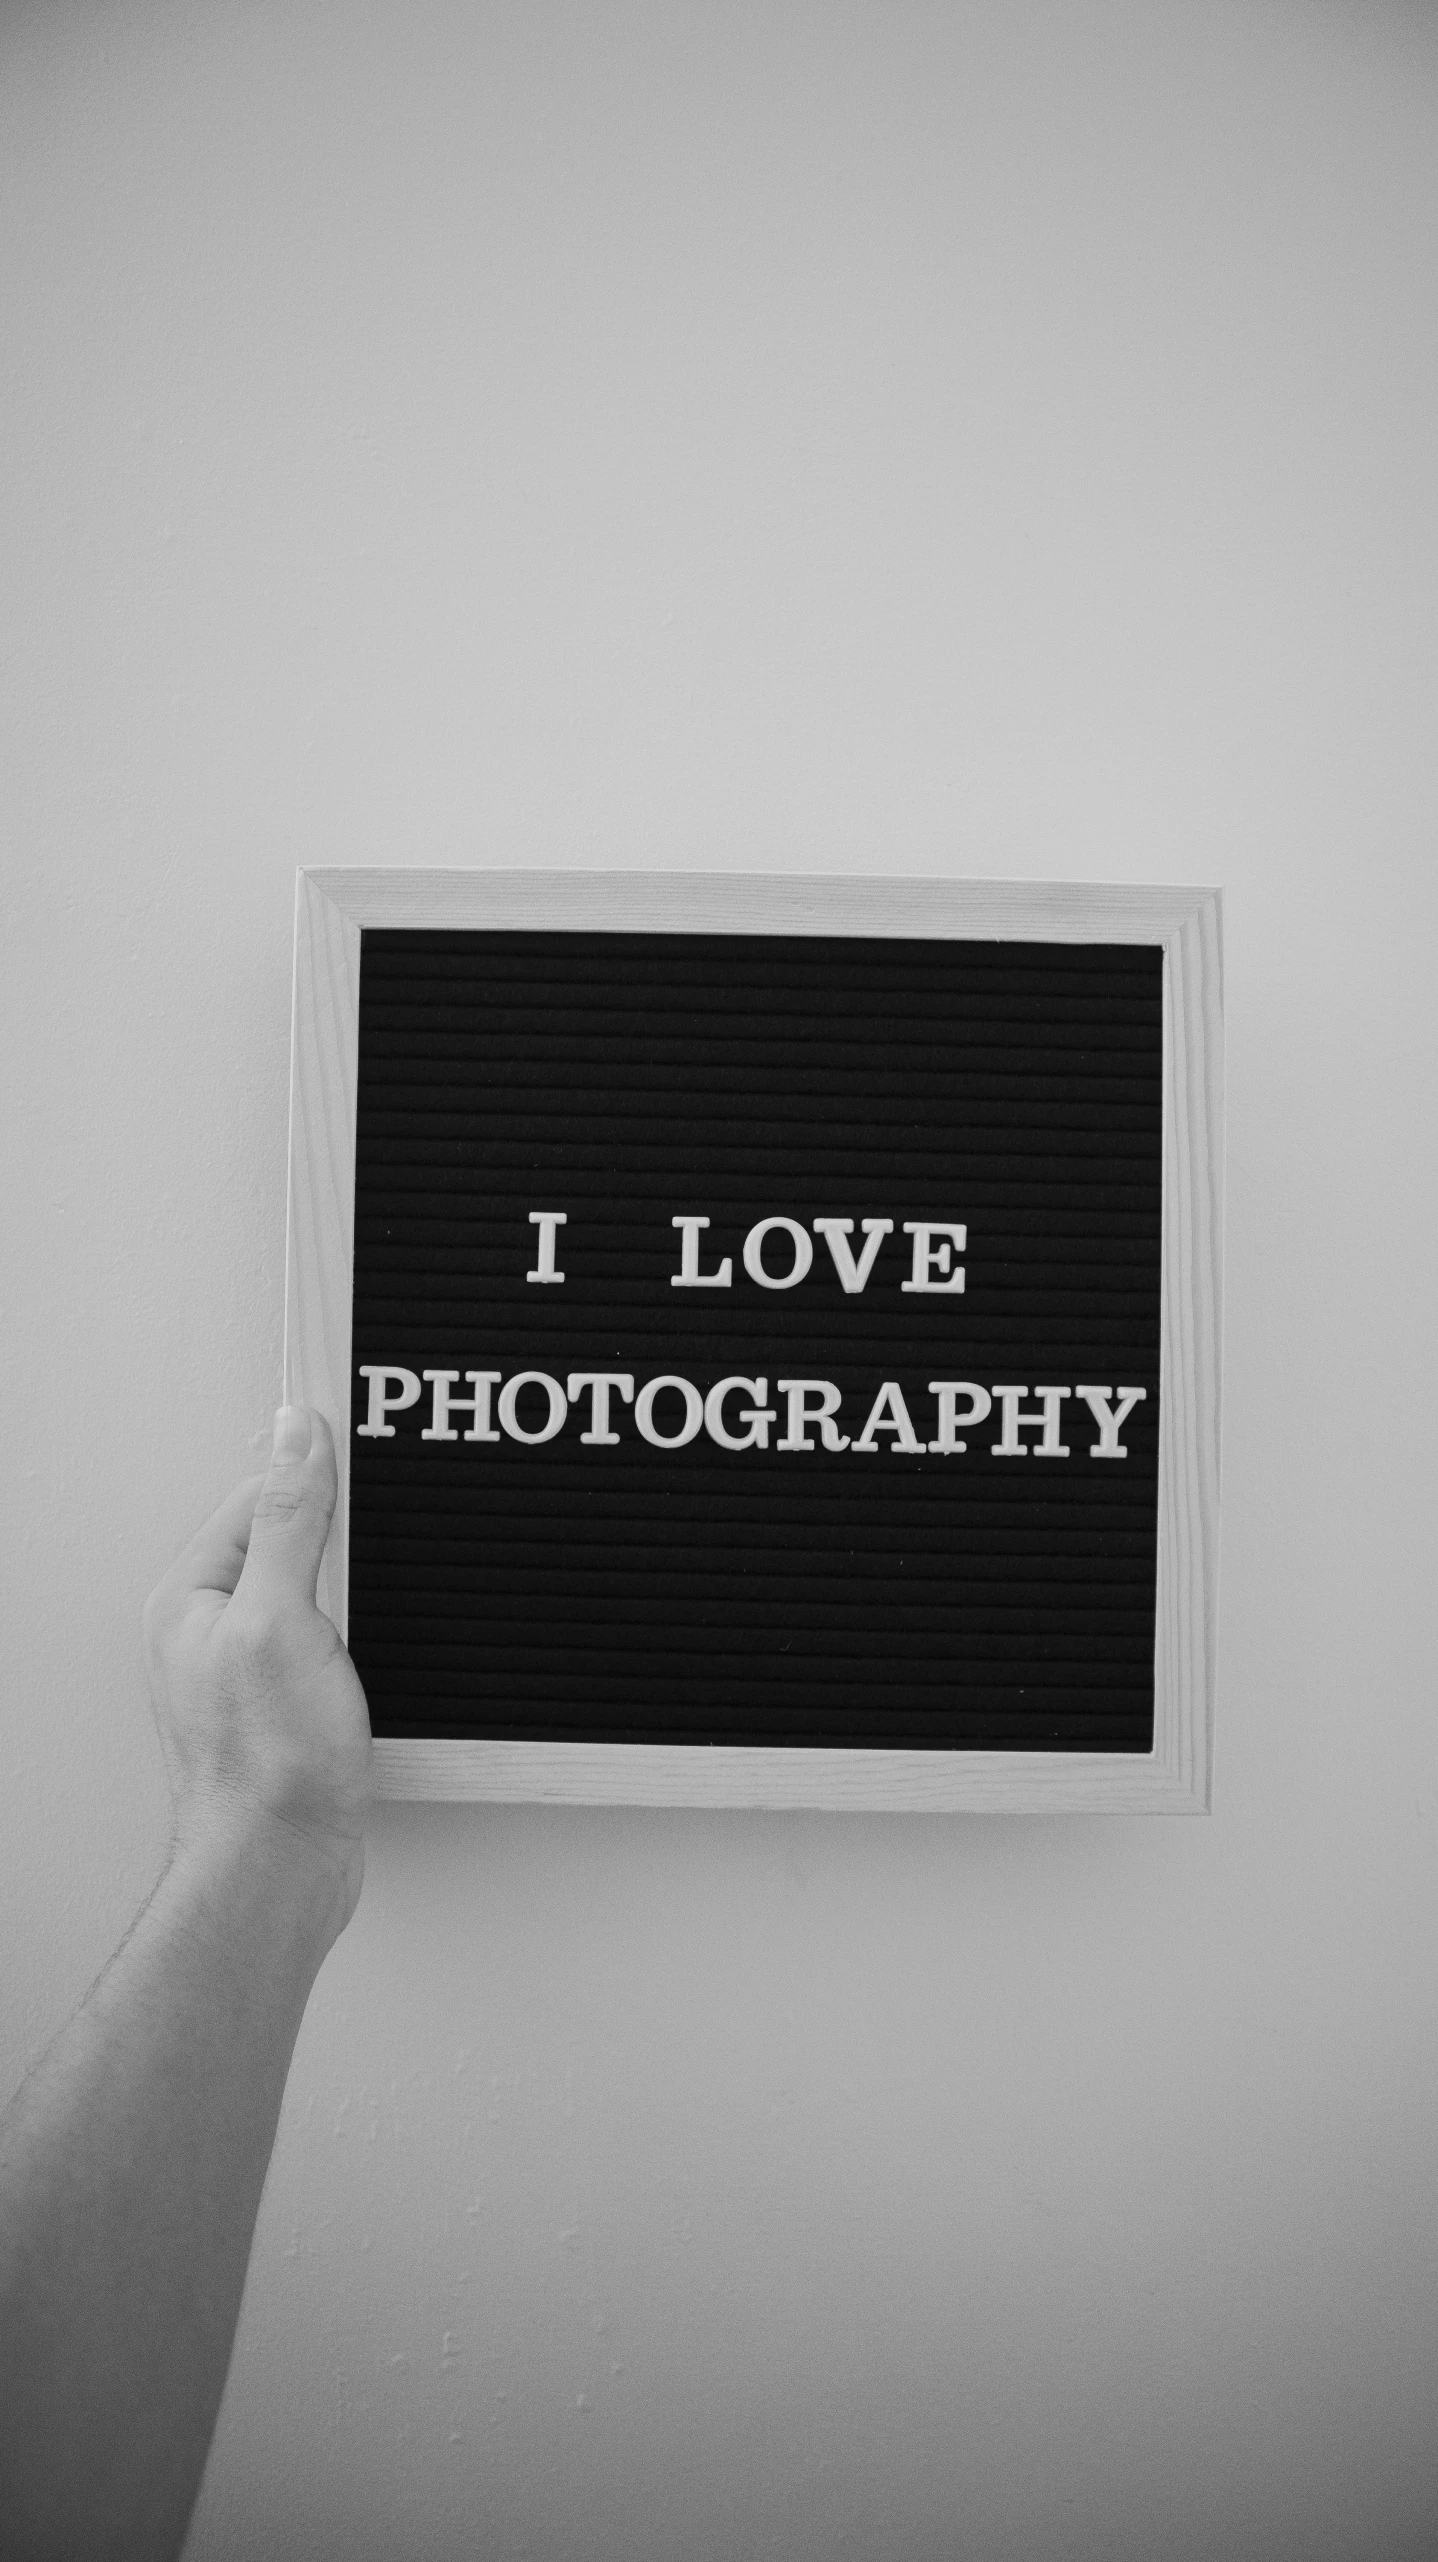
{"points": [[771, 1371]]}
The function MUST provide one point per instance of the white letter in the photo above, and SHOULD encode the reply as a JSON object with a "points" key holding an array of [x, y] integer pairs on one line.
{"points": [[946, 1390], [1110, 1425], [381, 1403], [689, 1276], [890, 1415], [599, 1383], [439, 1427], [1009, 1446], [836, 1234], [757, 1417], [546, 1221], [558, 1405], [798, 1391], [644, 1412], [753, 1251], [941, 1255]]}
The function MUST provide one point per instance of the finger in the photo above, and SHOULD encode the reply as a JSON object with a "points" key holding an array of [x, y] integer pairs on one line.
{"points": [[214, 1558], [295, 1507]]}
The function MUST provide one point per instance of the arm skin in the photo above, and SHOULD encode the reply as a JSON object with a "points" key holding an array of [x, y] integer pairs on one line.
{"points": [[132, 2158]]}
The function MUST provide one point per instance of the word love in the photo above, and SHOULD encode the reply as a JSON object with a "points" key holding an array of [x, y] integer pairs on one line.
{"points": [[936, 1242], [811, 1405]]}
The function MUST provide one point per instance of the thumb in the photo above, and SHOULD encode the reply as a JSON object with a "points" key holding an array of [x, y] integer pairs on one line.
{"points": [[296, 1505]]}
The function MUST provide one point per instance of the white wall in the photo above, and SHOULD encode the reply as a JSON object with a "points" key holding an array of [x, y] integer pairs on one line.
{"points": [[993, 438]]}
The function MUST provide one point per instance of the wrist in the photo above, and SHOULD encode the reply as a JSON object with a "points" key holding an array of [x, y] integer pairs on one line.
{"points": [[236, 1857]]}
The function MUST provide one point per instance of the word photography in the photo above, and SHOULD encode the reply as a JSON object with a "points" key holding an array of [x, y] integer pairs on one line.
{"points": [[532, 1407]]}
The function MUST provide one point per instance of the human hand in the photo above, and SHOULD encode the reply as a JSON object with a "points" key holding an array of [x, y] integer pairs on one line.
{"points": [[261, 1716]]}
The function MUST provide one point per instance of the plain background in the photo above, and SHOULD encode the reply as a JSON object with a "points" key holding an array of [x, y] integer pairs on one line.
{"points": [[993, 439]]}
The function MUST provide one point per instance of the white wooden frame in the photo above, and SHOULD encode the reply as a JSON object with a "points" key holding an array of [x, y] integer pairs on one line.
{"points": [[332, 905]]}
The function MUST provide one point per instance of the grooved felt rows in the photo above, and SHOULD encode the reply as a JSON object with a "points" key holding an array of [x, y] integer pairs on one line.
{"points": [[759, 1596]]}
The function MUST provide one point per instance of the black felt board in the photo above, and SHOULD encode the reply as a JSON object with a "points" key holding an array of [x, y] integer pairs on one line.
{"points": [[701, 1596]]}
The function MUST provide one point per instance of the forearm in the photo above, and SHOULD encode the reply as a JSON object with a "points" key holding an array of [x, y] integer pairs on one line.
{"points": [[131, 2166]]}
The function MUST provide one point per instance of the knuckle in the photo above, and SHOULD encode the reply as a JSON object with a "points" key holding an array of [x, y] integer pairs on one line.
{"points": [[280, 1504], [260, 1637]]}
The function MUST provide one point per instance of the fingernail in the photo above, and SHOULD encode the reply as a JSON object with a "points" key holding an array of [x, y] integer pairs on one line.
{"points": [[292, 1433]]}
